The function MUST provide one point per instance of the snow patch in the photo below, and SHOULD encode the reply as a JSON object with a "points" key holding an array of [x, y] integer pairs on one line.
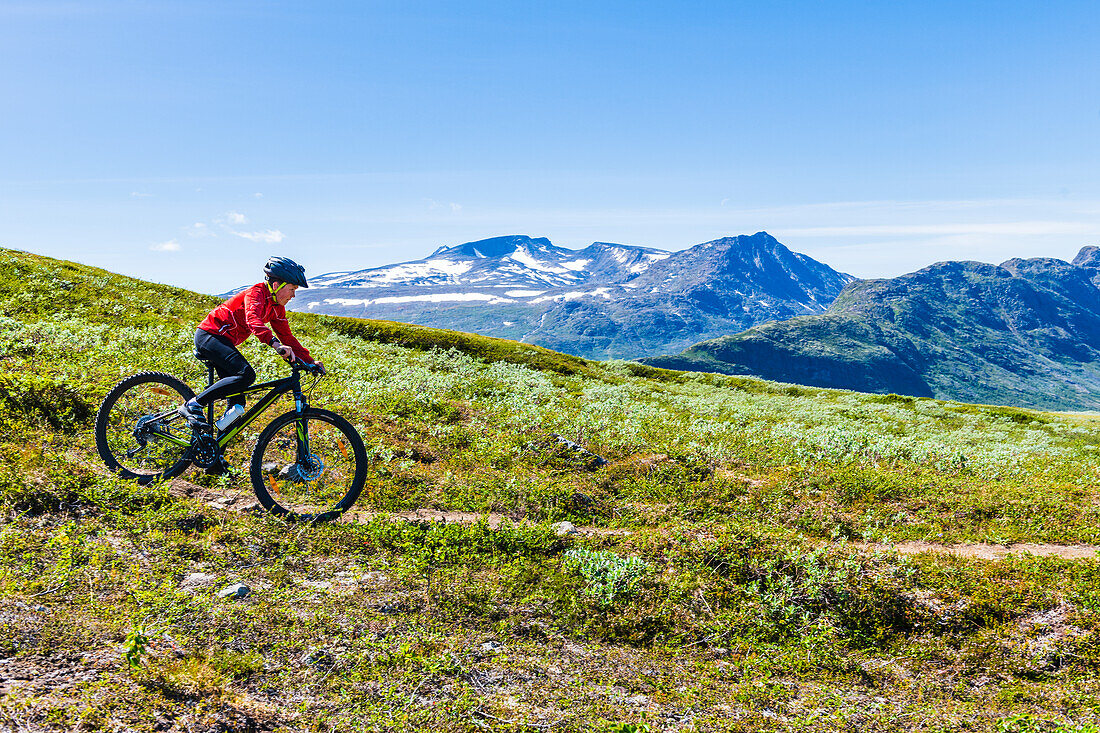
{"points": [[429, 269], [651, 259], [575, 295], [432, 298], [521, 255]]}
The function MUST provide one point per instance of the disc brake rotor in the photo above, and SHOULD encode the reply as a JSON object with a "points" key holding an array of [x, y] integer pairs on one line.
{"points": [[312, 471]]}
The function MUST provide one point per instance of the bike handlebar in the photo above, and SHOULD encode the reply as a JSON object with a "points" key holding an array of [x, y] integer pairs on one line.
{"points": [[311, 368]]}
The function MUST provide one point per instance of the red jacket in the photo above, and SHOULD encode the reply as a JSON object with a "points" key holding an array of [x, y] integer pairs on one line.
{"points": [[248, 312]]}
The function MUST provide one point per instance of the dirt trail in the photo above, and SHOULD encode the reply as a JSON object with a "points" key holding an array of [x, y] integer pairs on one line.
{"points": [[245, 501], [984, 551]]}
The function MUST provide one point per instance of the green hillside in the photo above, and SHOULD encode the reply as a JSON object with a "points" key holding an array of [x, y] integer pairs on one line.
{"points": [[1024, 333], [733, 570]]}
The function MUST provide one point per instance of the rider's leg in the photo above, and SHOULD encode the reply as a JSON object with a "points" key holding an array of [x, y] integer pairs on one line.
{"points": [[233, 369]]}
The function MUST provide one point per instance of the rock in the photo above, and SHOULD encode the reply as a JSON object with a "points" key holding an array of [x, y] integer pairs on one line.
{"points": [[194, 581], [563, 529], [239, 590], [319, 659], [638, 700], [581, 450], [492, 647], [290, 473]]}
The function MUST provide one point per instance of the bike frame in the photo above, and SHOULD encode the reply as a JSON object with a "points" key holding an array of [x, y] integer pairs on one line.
{"points": [[277, 387]]}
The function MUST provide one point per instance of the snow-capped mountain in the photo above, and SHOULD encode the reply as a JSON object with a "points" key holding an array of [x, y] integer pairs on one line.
{"points": [[603, 301], [515, 261]]}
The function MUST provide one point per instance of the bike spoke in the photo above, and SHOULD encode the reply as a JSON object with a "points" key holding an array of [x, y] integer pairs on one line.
{"points": [[137, 429], [314, 483]]}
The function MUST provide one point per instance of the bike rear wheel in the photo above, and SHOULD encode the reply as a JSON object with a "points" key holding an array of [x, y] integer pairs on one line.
{"points": [[316, 487], [138, 433]]}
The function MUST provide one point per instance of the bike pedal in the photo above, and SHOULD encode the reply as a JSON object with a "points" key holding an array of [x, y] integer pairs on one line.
{"points": [[217, 470]]}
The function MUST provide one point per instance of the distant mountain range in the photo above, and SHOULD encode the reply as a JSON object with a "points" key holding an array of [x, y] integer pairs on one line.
{"points": [[603, 301], [1025, 332]]}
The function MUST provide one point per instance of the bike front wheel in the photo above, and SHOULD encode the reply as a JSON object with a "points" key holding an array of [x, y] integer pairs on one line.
{"points": [[138, 433], [316, 484]]}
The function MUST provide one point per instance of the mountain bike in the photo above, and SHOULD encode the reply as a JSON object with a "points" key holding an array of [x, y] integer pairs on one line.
{"points": [[307, 464]]}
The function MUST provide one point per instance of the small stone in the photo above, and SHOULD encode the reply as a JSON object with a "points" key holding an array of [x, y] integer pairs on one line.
{"points": [[563, 529], [492, 647], [318, 659], [194, 581], [290, 473], [638, 700], [239, 590]]}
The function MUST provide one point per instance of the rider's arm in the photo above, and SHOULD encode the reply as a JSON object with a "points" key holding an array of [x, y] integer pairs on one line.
{"points": [[256, 312], [282, 330]]}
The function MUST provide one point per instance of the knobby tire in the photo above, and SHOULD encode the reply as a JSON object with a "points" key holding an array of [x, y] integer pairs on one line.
{"points": [[299, 503], [111, 424]]}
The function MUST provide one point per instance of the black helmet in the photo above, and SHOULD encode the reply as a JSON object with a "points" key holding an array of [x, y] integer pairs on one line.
{"points": [[286, 270]]}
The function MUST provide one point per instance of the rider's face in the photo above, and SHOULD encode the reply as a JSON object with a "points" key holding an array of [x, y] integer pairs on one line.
{"points": [[285, 294]]}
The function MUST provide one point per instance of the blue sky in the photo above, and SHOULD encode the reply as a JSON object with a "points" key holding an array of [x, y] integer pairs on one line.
{"points": [[186, 141]]}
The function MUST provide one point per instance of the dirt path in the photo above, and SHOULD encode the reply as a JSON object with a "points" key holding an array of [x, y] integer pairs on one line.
{"points": [[245, 501], [984, 551]]}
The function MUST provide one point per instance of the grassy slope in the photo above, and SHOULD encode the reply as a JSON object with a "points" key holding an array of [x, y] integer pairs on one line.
{"points": [[754, 613], [1019, 334]]}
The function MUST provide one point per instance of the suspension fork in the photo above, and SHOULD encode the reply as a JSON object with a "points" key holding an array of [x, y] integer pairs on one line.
{"points": [[302, 428]]}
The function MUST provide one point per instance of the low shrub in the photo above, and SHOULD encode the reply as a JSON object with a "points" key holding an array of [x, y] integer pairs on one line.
{"points": [[43, 402]]}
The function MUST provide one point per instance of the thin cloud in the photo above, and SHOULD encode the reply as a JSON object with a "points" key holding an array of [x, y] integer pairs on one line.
{"points": [[434, 205], [1009, 228], [234, 218], [140, 195], [199, 229], [269, 236], [170, 246]]}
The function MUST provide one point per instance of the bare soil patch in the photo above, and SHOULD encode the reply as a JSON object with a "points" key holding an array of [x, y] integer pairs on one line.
{"points": [[985, 551], [244, 501]]}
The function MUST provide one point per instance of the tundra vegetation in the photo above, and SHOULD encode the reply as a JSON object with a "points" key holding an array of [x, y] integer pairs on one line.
{"points": [[733, 569]]}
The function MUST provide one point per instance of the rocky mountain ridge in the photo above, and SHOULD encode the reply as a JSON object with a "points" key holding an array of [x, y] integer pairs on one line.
{"points": [[1025, 332], [604, 301]]}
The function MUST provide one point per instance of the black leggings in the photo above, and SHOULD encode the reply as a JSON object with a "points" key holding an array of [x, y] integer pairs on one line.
{"points": [[235, 371]]}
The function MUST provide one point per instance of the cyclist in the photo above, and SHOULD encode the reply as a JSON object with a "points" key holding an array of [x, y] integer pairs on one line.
{"points": [[226, 327]]}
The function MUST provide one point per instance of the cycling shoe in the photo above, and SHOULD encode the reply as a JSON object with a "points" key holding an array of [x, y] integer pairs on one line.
{"points": [[195, 416]]}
